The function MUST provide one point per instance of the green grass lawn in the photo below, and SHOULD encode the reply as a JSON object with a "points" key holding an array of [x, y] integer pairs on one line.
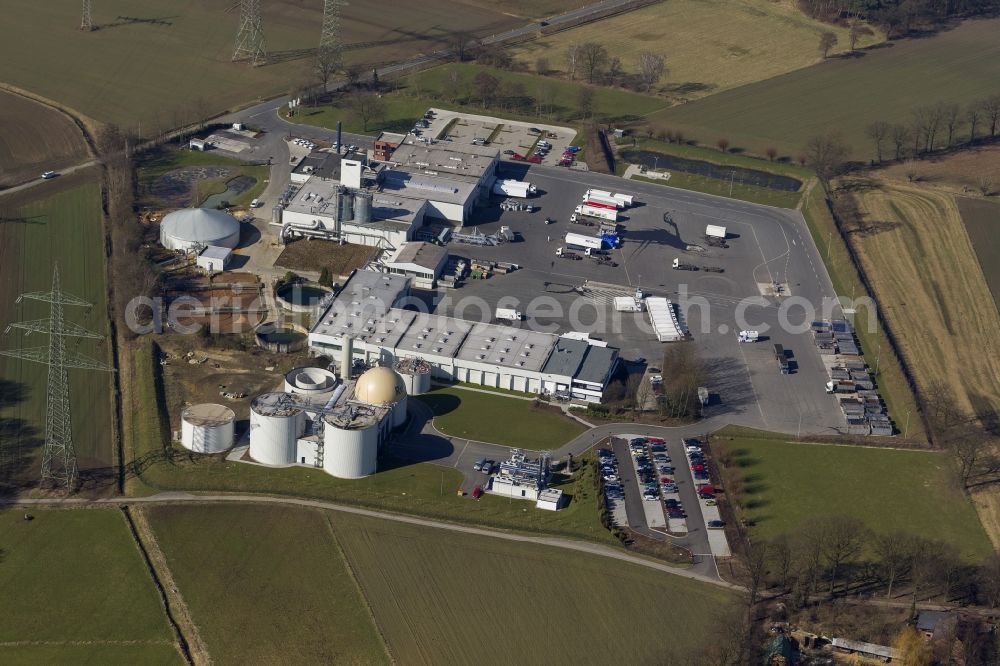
{"points": [[439, 597], [75, 582], [847, 94], [163, 160], [422, 90], [266, 584], [474, 415], [57, 222], [788, 483], [419, 489], [757, 195]]}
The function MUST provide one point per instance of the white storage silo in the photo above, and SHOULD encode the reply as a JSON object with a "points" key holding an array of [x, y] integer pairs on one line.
{"points": [[275, 426], [363, 207], [207, 428], [350, 453], [416, 374]]}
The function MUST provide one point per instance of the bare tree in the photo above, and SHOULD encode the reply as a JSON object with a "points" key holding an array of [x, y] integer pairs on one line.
{"points": [[585, 100], [973, 116], [827, 40], [572, 59], [989, 578], [542, 66], [486, 86], [642, 392], [894, 552], [780, 553], [910, 170], [452, 86], [353, 74], [593, 59], [328, 60], [951, 116], [723, 144], [652, 67], [854, 34], [368, 106], [900, 136], [771, 153], [971, 446], [826, 154], [843, 537], [460, 45], [985, 184], [991, 111], [756, 562], [878, 131], [615, 70]]}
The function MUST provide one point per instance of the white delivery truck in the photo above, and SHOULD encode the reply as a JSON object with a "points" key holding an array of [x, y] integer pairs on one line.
{"points": [[626, 200], [583, 242], [627, 304], [514, 188], [602, 202], [715, 231], [749, 336], [508, 314], [594, 211]]}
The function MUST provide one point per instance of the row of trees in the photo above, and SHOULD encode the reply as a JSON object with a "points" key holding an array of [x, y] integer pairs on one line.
{"points": [[592, 62], [899, 17], [936, 127]]}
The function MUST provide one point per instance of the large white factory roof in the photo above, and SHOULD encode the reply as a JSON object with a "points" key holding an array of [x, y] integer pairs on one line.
{"points": [[507, 346], [443, 187], [317, 196], [435, 335]]}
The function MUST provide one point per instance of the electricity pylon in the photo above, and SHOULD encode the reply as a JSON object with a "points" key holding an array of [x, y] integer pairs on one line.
{"points": [[250, 38], [330, 36], [86, 23], [58, 453]]}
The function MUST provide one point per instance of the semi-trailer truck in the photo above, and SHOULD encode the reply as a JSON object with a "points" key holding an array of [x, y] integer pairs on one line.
{"points": [[779, 356], [584, 242], [508, 314], [602, 202], [598, 212], [514, 188]]}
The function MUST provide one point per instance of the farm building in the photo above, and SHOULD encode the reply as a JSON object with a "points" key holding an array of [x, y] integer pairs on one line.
{"points": [[198, 228], [367, 311], [337, 424]]}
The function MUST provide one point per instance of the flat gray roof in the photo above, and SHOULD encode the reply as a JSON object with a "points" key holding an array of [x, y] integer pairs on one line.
{"points": [[443, 157], [397, 207], [391, 137], [421, 185], [425, 255], [315, 197], [434, 334], [316, 163], [566, 357], [359, 309], [597, 364], [507, 346]]}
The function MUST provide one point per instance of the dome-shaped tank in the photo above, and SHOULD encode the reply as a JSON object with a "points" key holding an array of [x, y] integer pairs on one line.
{"points": [[199, 227], [416, 374], [350, 453], [380, 386], [207, 428], [315, 383], [276, 423]]}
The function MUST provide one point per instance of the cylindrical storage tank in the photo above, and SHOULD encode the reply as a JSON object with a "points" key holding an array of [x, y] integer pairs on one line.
{"points": [[350, 453], [207, 428], [399, 412], [346, 357], [275, 426], [276, 214], [345, 201], [363, 207], [314, 383], [190, 228], [416, 374]]}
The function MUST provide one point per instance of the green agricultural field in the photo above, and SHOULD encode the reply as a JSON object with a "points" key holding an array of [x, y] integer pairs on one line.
{"points": [[266, 584], [74, 589], [422, 90], [442, 597], [58, 221], [709, 45], [473, 415], [982, 223], [847, 94], [170, 64], [788, 483], [400, 486]]}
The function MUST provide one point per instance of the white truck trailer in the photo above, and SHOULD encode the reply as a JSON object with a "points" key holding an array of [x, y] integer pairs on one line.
{"points": [[628, 304], [514, 188], [602, 202], [626, 200], [508, 314], [715, 231], [595, 211], [583, 242]]}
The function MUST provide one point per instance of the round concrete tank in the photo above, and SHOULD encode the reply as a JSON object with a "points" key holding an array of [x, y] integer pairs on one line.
{"points": [[345, 204], [363, 207], [207, 428], [315, 383], [399, 412], [275, 425], [350, 453], [416, 374]]}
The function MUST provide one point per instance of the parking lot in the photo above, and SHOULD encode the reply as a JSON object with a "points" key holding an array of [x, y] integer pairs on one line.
{"points": [[766, 246], [512, 137]]}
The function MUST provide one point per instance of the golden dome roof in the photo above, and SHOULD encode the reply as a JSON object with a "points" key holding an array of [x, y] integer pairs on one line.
{"points": [[380, 386]]}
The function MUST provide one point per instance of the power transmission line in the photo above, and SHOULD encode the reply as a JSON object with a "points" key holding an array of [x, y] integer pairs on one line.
{"points": [[86, 23], [250, 38], [58, 452]]}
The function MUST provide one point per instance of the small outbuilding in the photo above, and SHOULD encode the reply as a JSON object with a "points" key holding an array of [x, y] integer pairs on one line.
{"points": [[199, 144], [214, 259], [421, 261]]}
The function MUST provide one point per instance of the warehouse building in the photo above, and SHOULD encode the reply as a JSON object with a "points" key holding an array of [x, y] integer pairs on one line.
{"points": [[368, 314]]}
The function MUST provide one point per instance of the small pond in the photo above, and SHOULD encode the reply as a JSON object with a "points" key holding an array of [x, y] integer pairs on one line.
{"points": [[302, 294], [740, 175], [234, 188]]}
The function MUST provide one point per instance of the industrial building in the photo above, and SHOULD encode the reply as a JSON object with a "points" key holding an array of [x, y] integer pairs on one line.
{"points": [[333, 423], [520, 477], [198, 228], [418, 260], [367, 317], [214, 259]]}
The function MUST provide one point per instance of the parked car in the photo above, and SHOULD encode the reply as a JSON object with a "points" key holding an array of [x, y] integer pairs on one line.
{"points": [[716, 524], [479, 464], [535, 159], [710, 502], [508, 152], [477, 492], [670, 488], [517, 156], [488, 466], [701, 476]]}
